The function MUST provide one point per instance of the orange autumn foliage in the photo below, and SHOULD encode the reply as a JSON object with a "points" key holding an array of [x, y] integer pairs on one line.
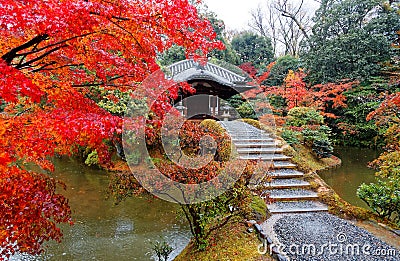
{"points": [[296, 92], [53, 54]]}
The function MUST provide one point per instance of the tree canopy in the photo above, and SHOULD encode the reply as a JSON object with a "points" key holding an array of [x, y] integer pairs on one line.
{"points": [[177, 53], [253, 48], [55, 55], [350, 39]]}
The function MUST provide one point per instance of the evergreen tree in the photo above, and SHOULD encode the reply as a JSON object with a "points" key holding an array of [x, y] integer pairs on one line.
{"points": [[351, 38]]}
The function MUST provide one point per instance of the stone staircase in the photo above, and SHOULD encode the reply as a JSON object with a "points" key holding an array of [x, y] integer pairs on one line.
{"points": [[289, 192]]}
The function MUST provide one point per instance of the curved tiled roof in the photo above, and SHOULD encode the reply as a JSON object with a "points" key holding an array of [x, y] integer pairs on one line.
{"points": [[187, 70]]}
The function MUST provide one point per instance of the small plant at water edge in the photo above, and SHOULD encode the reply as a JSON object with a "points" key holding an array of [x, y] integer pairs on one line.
{"points": [[162, 249]]}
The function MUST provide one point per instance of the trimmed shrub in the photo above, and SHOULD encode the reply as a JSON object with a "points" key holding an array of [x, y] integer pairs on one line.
{"points": [[213, 126], [291, 137], [252, 122], [383, 198], [246, 111], [306, 125], [224, 144], [300, 116]]}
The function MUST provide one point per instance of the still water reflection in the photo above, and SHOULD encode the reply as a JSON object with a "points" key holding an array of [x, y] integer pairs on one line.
{"points": [[351, 174], [104, 231]]}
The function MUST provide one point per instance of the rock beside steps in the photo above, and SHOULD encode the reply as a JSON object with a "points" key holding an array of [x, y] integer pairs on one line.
{"points": [[288, 190]]}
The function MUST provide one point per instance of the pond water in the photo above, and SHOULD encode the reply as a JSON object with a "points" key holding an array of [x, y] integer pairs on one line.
{"points": [[346, 179], [105, 231]]}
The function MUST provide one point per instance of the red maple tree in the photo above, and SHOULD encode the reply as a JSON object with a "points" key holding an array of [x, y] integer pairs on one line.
{"points": [[53, 55], [296, 92]]}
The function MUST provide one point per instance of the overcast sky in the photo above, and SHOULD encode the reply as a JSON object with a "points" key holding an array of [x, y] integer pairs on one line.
{"points": [[236, 13]]}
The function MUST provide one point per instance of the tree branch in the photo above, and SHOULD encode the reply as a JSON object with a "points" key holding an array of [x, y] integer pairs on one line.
{"points": [[219, 225], [301, 27], [58, 43], [8, 57], [28, 63], [51, 69], [98, 83], [292, 14]]}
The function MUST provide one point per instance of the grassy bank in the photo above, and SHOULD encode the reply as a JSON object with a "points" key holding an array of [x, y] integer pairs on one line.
{"points": [[231, 242]]}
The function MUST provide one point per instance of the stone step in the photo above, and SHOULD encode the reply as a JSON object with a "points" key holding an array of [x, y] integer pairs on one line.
{"points": [[270, 150], [285, 174], [237, 125], [287, 184], [251, 137], [284, 165], [264, 157], [257, 145], [248, 133], [296, 207], [290, 194], [236, 140]]}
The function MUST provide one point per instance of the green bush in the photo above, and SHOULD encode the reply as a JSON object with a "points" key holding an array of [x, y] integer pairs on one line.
{"points": [[322, 148], [235, 101], [92, 159], [318, 140], [383, 198], [306, 125], [246, 111], [291, 137], [319, 133], [300, 116]]}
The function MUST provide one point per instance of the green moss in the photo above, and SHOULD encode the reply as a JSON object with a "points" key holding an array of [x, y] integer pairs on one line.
{"points": [[259, 207], [231, 242], [305, 159], [343, 209]]}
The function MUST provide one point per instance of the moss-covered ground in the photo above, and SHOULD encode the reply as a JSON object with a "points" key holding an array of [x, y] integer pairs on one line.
{"points": [[231, 242]]}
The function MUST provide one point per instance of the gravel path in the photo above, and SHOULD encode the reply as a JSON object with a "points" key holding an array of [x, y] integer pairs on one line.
{"points": [[322, 236]]}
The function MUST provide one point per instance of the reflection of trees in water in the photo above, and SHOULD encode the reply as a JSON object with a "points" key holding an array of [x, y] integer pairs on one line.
{"points": [[105, 230], [346, 179]]}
